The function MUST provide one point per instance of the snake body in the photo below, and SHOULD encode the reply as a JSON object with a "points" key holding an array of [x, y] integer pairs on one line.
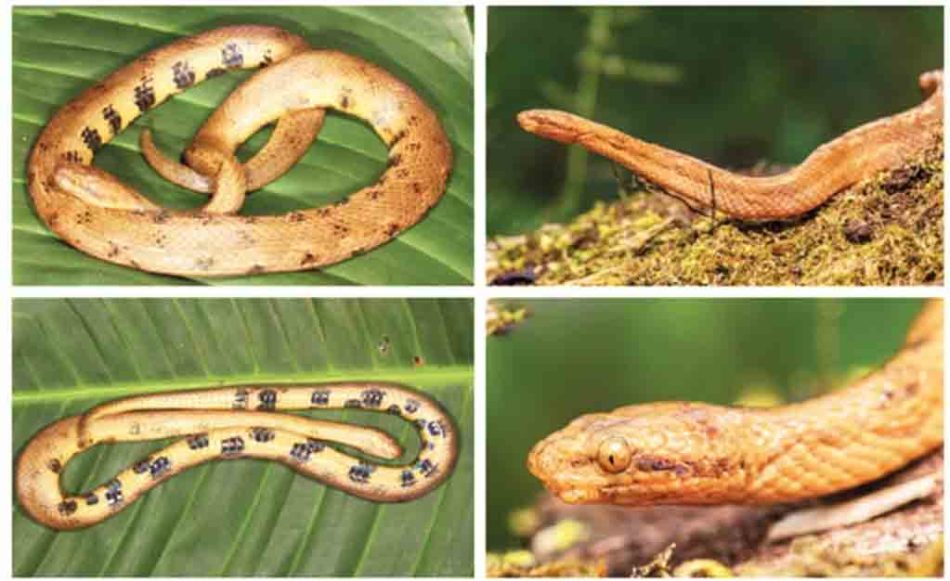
{"points": [[239, 422], [691, 453], [832, 167], [95, 213]]}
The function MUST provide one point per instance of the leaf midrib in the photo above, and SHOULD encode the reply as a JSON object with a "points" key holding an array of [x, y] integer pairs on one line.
{"points": [[421, 378]]}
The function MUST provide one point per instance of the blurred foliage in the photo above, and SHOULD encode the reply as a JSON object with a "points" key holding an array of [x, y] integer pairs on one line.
{"points": [[580, 356], [733, 86]]}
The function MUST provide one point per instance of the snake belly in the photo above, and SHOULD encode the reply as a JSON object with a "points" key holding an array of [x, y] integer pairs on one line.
{"points": [[238, 422], [692, 453], [92, 212], [846, 160]]}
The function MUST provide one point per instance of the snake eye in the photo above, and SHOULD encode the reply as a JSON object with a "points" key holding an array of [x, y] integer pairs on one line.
{"points": [[614, 455]]}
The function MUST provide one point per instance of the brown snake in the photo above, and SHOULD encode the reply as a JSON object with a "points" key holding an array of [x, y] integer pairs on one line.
{"points": [[832, 167], [693, 453], [94, 212]]}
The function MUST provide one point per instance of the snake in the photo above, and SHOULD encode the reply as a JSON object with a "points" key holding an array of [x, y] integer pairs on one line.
{"points": [[692, 453], [96, 213], [838, 164], [238, 422]]}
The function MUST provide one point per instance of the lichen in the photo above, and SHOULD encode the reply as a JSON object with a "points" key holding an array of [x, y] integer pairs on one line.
{"points": [[887, 230]]}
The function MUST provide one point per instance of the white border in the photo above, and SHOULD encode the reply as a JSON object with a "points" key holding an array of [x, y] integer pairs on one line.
{"points": [[480, 293]]}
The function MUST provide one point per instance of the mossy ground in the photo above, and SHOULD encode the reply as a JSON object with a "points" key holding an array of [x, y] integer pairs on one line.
{"points": [[885, 231]]}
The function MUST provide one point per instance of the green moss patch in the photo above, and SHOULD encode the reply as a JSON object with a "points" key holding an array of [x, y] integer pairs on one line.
{"points": [[884, 231]]}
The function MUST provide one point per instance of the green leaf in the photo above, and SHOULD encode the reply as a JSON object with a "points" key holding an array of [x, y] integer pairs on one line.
{"points": [[59, 52], [245, 517]]}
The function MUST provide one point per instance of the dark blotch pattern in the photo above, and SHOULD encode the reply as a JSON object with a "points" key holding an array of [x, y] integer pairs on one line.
{"points": [[113, 118], [183, 75]]}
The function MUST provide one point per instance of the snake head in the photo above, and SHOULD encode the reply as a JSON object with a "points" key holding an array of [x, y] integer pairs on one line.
{"points": [[671, 453]]}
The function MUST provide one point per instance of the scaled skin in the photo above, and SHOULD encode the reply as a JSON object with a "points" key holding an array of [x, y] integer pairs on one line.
{"points": [[691, 453], [215, 241], [857, 155]]}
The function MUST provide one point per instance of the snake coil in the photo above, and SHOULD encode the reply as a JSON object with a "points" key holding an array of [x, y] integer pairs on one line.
{"points": [[238, 422]]}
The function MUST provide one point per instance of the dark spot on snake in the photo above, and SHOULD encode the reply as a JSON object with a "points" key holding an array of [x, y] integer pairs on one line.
{"points": [[394, 160], [55, 466], [140, 467], [361, 473], [240, 399], [91, 499], [268, 399], [414, 147], [113, 118], [72, 156], [295, 217], [198, 441], [231, 56], [234, 445], [398, 137], [392, 229], [113, 250], [416, 188], [160, 240], [407, 478], [402, 173], [344, 102], [411, 406], [320, 397], [427, 468], [373, 397], [340, 230], [394, 409], [183, 75], [161, 217], [67, 507], [144, 94], [215, 72], [262, 434], [308, 258], [159, 467], [85, 217]]}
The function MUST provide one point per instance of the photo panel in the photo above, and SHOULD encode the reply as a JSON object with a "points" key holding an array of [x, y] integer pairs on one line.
{"points": [[357, 131], [348, 423], [715, 437]]}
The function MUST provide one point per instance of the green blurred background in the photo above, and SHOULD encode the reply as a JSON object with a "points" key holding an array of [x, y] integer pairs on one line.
{"points": [[577, 356], [733, 86]]}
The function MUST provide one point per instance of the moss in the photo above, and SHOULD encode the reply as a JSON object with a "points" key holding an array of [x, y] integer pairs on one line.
{"points": [[887, 230], [811, 557], [502, 319]]}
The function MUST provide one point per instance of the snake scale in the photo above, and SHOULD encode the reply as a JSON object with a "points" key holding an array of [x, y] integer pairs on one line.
{"points": [[238, 422], [97, 214], [857, 155], [693, 453]]}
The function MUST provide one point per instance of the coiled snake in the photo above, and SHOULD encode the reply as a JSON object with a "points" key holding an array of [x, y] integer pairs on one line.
{"points": [[239, 422], [832, 167], [94, 212], [692, 453]]}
